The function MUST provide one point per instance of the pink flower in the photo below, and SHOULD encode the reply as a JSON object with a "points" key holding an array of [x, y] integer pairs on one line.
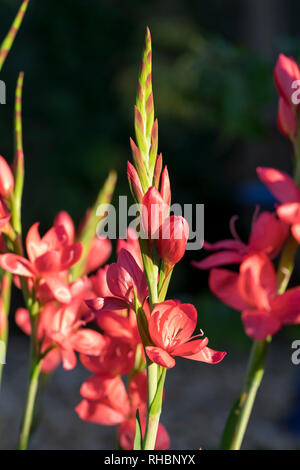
{"points": [[172, 240], [285, 73], [154, 211], [106, 402], [254, 292], [50, 258], [132, 245], [65, 330], [286, 119], [283, 188], [123, 328], [171, 326], [6, 178], [4, 215], [101, 247], [267, 235], [116, 358], [123, 279]]}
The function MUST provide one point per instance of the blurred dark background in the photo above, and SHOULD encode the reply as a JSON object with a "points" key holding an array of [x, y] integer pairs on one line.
{"points": [[215, 101]]}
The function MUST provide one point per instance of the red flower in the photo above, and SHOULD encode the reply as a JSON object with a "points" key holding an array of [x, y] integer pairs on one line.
{"points": [[106, 402], [50, 258], [286, 119], [267, 235], [123, 279], [254, 292], [154, 211], [283, 188], [172, 241], [6, 178], [285, 73], [171, 326], [116, 358]]}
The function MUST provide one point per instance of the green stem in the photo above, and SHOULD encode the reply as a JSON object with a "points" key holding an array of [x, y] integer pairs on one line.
{"points": [[238, 419], [6, 295], [239, 416], [33, 381], [29, 406]]}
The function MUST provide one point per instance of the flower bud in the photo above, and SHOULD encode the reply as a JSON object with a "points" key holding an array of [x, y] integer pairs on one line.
{"points": [[172, 240], [134, 182], [286, 72], [286, 119], [154, 212], [6, 178], [165, 188]]}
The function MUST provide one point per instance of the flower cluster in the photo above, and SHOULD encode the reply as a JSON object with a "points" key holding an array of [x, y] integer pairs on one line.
{"points": [[255, 290]]}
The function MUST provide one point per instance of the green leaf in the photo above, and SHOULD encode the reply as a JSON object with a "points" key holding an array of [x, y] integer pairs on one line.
{"points": [[10, 37], [138, 438], [91, 227], [155, 407]]}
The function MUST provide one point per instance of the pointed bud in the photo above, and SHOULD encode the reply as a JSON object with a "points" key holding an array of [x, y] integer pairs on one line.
{"points": [[6, 178], [286, 72], [157, 171], [153, 148], [172, 240], [63, 218], [154, 212], [140, 131], [139, 165], [134, 183], [165, 188], [286, 119]]}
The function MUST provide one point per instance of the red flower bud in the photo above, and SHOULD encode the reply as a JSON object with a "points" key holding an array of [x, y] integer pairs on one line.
{"points": [[285, 73], [173, 238], [6, 178], [154, 212], [286, 119], [134, 182], [165, 188]]}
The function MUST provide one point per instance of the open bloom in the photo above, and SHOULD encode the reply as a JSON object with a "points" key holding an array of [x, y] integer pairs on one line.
{"points": [[253, 291], [106, 401], [116, 358], [171, 326], [283, 188], [100, 250], [50, 257], [267, 235], [123, 279]]}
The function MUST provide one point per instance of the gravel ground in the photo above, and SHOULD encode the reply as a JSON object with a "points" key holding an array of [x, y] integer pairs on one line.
{"points": [[198, 397]]}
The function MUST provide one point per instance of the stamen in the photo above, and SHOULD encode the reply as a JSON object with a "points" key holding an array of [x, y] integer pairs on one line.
{"points": [[233, 229]]}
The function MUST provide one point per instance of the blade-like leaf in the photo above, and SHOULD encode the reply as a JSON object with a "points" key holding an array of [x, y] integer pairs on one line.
{"points": [[138, 438], [10, 37]]}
